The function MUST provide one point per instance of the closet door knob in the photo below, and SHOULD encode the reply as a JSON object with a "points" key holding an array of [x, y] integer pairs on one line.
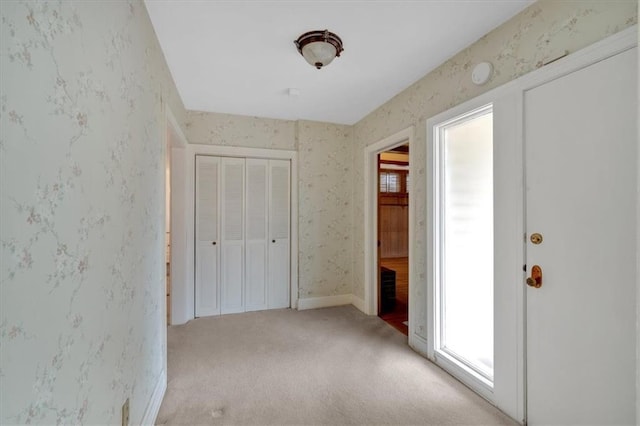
{"points": [[273, 241], [214, 243]]}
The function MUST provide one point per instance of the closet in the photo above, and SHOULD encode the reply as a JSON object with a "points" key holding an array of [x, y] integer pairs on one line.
{"points": [[242, 234]]}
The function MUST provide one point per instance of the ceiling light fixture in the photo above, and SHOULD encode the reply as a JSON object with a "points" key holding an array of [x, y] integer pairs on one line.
{"points": [[319, 47]]}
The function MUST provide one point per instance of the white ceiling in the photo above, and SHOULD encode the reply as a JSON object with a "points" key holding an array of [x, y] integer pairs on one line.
{"points": [[238, 57]]}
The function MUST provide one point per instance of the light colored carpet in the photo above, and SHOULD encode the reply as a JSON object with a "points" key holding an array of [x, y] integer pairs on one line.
{"points": [[333, 366]]}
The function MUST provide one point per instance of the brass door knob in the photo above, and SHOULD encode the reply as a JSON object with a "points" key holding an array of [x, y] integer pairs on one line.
{"points": [[536, 238], [535, 280]]}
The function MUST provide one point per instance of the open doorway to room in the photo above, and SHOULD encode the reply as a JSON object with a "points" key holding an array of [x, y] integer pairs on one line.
{"points": [[372, 243], [393, 237]]}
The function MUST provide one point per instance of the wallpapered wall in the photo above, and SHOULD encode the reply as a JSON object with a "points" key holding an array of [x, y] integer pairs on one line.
{"points": [[235, 130], [325, 209], [515, 48], [83, 87]]}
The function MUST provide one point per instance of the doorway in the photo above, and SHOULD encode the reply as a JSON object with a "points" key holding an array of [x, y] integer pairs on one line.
{"points": [[393, 237], [372, 296], [564, 176]]}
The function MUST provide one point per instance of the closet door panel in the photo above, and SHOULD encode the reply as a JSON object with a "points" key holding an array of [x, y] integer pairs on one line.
{"points": [[256, 235], [232, 242], [279, 234], [207, 262]]}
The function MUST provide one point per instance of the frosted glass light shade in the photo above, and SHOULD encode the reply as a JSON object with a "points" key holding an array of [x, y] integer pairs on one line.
{"points": [[319, 53], [319, 47]]}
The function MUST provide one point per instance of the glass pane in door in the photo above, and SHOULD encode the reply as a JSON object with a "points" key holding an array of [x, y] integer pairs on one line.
{"points": [[466, 241]]}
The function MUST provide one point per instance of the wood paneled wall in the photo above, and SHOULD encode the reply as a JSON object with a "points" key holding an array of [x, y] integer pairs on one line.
{"points": [[394, 225]]}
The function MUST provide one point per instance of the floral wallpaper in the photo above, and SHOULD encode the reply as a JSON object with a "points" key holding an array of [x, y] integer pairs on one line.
{"points": [[83, 89], [325, 209], [236, 130], [83, 92], [518, 46]]}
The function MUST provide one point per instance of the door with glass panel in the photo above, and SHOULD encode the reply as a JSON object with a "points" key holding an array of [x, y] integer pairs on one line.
{"points": [[473, 270]]}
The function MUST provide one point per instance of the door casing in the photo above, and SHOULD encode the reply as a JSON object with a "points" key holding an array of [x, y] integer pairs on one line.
{"points": [[370, 303], [191, 150]]}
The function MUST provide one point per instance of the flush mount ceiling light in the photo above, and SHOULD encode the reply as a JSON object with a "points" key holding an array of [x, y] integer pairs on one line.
{"points": [[319, 47]]}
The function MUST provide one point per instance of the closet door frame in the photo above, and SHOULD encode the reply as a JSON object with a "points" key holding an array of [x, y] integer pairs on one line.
{"points": [[239, 152]]}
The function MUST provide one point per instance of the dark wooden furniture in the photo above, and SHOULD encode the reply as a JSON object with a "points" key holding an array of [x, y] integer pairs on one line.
{"points": [[387, 289]]}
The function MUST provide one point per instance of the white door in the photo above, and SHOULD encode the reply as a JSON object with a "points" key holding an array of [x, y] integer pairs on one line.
{"points": [[256, 234], [580, 153], [279, 229], [207, 242], [232, 241]]}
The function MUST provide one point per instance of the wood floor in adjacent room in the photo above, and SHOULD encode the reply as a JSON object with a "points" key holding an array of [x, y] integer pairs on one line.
{"points": [[331, 366]]}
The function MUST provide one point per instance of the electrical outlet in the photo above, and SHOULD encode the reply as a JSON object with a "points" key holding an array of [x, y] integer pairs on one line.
{"points": [[125, 413]]}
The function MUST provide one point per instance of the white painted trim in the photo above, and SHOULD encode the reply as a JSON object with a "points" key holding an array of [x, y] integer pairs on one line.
{"points": [[241, 152], [418, 344], [371, 217], [153, 406], [324, 302], [358, 303], [181, 140], [451, 366], [638, 257], [295, 215], [181, 311]]}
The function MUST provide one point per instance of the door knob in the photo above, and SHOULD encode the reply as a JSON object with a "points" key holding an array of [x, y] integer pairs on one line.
{"points": [[273, 241], [536, 238], [535, 280], [214, 243]]}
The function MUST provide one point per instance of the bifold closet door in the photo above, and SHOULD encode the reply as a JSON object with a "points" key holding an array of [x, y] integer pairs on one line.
{"points": [[279, 237], [207, 244], [232, 241], [256, 234], [242, 235]]}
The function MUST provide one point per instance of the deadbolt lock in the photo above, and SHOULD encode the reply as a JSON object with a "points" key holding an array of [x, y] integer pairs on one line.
{"points": [[536, 238]]}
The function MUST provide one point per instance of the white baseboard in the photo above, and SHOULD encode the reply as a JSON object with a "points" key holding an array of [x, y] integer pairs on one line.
{"points": [[324, 302], [153, 407], [418, 344], [358, 303]]}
